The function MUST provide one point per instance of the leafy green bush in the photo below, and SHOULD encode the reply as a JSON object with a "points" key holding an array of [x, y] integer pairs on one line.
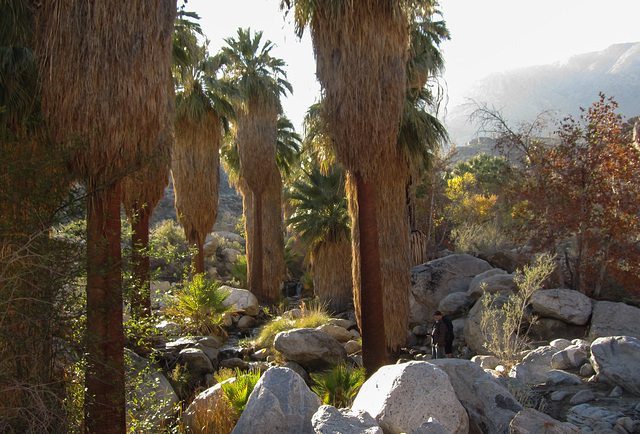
{"points": [[339, 385], [169, 251], [502, 323], [238, 391], [198, 306], [239, 271]]}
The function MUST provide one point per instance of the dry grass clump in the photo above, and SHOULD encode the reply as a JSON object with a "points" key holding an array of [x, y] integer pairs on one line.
{"points": [[312, 316]]}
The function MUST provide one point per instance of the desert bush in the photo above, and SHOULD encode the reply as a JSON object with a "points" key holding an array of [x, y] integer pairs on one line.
{"points": [[339, 385], [503, 320], [198, 306], [480, 237]]}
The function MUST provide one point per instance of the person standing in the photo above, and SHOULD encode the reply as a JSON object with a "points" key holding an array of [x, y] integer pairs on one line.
{"points": [[448, 345], [439, 335]]}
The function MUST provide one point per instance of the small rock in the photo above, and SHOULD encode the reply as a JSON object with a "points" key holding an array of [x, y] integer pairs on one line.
{"points": [[330, 420], [355, 334], [297, 369], [556, 377], [560, 344], [260, 354], [619, 430], [559, 395], [340, 334], [616, 392], [293, 314], [352, 347], [420, 330], [582, 397], [627, 423], [587, 370], [344, 323], [486, 362], [234, 363], [246, 321]]}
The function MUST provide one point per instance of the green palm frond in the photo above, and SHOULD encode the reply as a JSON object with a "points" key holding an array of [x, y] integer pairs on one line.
{"points": [[248, 64], [321, 207], [287, 146]]}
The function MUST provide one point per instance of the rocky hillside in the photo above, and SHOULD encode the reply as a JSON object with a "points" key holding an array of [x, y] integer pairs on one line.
{"points": [[563, 87]]}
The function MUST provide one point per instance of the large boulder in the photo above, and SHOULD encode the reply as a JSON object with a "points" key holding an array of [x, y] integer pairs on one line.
{"points": [[241, 299], [616, 360], [494, 281], [567, 305], [330, 420], [434, 280], [196, 361], [280, 403], [474, 337], [534, 367], [614, 319], [489, 404], [402, 397], [153, 391], [312, 349], [455, 304], [532, 421], [549, 329], [509, 260]]}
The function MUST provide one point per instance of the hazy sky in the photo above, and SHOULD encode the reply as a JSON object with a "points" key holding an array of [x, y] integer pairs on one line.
{"points": [[486, 36]]}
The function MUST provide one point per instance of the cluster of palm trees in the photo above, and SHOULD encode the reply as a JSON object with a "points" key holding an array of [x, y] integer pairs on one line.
{"points": [[134, 93]]}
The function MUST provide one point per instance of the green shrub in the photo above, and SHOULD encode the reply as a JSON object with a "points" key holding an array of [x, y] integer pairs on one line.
{"points": [[169, 251], [239, 271], [339, 385], [502, 323], [198, 306], [238, 391]]}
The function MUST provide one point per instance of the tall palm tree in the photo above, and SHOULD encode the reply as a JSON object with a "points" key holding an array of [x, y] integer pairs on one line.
{"points": [[261, 81], [321, 221], [105, 72], [361, 53], [287, 151]]}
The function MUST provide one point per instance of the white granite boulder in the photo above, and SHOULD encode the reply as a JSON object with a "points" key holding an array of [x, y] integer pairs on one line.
{"points": [[402, 397], [312, 349], [241, 299], [616, 360], [489, 404], [330, 420], [572, 307], [280, 403], [614, 319], [572, 357]]}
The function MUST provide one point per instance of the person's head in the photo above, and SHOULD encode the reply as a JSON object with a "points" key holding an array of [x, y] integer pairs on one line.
{"points": [[437, 315]]}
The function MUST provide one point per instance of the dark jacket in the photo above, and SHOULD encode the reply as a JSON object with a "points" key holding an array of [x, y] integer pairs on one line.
{"points": [[439, 333]]}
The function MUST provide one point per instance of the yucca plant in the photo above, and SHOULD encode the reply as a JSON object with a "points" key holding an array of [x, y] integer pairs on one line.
{"points": [[238, 391], [199, 306], [339, 385]]}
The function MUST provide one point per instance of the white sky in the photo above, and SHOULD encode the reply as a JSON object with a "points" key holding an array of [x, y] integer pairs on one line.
{"points": [[487, 36]]}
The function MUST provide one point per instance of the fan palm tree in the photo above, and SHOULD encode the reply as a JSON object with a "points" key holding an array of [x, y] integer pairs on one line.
{"points": [[202, 112], [105, 69], [361, 53], [321, 221], [261, 81]]}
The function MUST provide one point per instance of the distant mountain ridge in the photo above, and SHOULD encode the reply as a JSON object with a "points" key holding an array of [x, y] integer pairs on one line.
{"points": [[563, 87]]}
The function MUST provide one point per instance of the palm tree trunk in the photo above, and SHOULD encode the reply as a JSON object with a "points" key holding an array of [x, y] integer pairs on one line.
{"points": [[368, 296], [141, 299], [256, 285], [105, 392], [198, 259]]}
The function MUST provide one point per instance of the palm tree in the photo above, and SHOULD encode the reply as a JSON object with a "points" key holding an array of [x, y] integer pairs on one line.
{"points": [[361, 53], [261, 81], [104, 67], [202, 112], [287, 154], [321, 220]]}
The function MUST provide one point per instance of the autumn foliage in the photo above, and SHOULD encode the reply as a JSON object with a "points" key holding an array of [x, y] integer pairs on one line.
{"points": [[581, 199]]}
